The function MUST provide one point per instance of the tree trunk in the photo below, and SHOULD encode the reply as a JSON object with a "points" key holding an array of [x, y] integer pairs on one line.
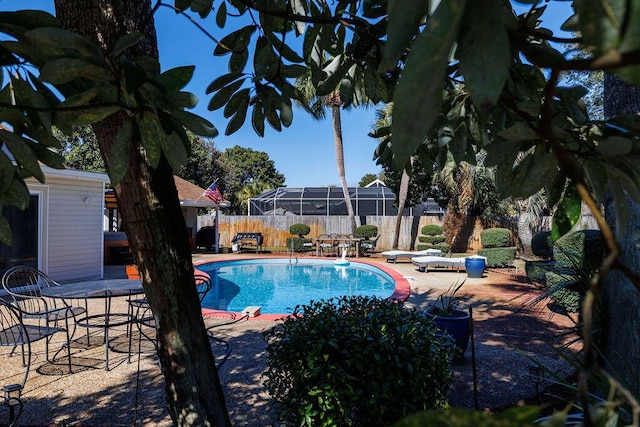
{"points": [[402, 200], [524, 233], [334, 103], [621, 301], [148, 202]]}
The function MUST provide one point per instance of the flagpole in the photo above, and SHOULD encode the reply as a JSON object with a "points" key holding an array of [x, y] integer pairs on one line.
{"points": [[215, 228]]}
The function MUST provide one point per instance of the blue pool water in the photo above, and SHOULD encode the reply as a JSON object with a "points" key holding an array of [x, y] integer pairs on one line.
{"points": [[278, 285]]}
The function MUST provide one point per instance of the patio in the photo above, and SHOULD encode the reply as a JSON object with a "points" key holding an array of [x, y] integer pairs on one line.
{"points": [[503, 318]]}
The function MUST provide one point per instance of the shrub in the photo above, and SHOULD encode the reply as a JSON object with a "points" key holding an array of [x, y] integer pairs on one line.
{"points": [[564, 290], [433, 240], [541, 245], [300, 230], [366, 231], [537, 270], [581, 250], [298, 244], [496, 237], [498, 257], [432, 230], [356, 361]]}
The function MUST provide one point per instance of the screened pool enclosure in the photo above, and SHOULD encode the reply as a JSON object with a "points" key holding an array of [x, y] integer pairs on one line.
{"points": [[367, 201]]}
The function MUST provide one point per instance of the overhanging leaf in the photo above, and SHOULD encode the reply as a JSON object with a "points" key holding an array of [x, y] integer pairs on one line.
{"points": [[5, 231], [196, 124], [126, 41], [120, 153], [23, 154], [175, 151], [221, 15], [84, 117], [257, 119], [404, 17], [176, 78], [64, 70], [151, 133], [484, 51], [567, 214], [223, 95], [615, 146], [417, 100]]}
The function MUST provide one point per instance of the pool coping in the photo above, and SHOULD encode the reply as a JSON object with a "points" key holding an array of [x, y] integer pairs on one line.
{"points": [[400, 293]]}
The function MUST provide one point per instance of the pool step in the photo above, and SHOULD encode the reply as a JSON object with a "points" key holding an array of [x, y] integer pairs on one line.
{"points": [[251, 311]]}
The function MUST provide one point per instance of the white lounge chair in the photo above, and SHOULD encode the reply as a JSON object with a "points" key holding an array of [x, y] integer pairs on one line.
{"points": [[424, 262], [392, 256]]}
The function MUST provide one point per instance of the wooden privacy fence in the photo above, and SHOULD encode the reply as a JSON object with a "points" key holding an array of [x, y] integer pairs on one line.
{"points": [[275, 229]]}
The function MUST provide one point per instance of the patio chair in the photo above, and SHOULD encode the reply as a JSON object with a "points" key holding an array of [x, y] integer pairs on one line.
{"points": [[14, 333], [367, 246], [24, 284]]}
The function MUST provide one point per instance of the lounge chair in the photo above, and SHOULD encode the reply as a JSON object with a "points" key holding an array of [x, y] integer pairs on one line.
{"points": [[392, 256], [424, 262]]}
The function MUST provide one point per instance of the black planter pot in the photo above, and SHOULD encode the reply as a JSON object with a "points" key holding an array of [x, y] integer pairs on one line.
{"points": [[458, 326]]}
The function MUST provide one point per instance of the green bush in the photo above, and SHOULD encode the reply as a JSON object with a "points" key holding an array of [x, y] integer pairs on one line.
{"points": [[300, 230], [496, 237], [298, 244], [498, 257], [542, 245], [580, 250], [433, 240], [432, 230], [537, 270], [444, 248], [356, 361], [564, 290], [366, 231]]}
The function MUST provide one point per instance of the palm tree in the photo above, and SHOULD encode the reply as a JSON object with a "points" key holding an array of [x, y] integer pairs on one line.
{"points": [[317, 105], [252, 189], [383, 120]]}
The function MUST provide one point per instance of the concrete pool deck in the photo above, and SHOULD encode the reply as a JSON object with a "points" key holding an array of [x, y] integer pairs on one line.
{"points": [[507, 325]]}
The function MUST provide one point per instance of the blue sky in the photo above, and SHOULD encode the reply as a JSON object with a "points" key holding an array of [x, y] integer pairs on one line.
{"points": [[304, 152]]}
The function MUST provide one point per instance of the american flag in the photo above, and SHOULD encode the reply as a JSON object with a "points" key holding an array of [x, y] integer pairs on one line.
{"points": [[213, 193]]}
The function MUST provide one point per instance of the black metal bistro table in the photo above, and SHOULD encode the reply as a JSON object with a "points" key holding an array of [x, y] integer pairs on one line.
{"points": [[105, 289]]}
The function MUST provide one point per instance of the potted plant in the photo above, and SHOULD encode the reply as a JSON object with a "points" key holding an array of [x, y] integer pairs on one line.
{"points": [[448, 317]]}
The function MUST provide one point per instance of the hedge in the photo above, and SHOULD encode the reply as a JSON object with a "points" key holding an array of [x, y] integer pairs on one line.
{"points": [[542, 245], [580, 250], [564, 290], [537, 270], [432, 240], [432, 230], [496, 237], [298, 244], [299, 230], [498, 257], [367, 231]]}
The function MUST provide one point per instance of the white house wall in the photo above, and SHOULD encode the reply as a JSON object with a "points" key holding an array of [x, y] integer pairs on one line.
{"points": [[74, 243]]}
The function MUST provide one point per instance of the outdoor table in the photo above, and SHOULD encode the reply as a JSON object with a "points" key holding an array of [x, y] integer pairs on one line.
{"points": [[338, 241], [105, 289]]}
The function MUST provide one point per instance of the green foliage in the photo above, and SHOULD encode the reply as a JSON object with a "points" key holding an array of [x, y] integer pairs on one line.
{"points": [[496, 237], [521, 416], [356, 361], [298, 244], [367, 179], [433, 240], [536, 270], [564, 289], [366, 231], [542, 245], [581, 250], [243, 166], [300, 230], [447, 303], [432, 230], [498, 257]]}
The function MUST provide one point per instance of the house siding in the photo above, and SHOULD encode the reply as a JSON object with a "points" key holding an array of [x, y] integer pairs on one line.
{"points": [[74, 242]]}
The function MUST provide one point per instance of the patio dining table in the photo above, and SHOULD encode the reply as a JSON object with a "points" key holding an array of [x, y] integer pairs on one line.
{"points": [[105, 289], [339, 241]]}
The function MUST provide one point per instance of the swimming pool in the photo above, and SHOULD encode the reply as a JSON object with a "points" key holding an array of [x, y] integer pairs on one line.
{"points": [[277, 285]]}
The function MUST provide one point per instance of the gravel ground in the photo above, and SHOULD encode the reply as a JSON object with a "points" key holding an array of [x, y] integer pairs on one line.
{"points": [[507, 326]]}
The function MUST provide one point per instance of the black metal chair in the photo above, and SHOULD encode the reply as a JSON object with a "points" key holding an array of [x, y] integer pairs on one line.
{"points": [[13, 333], [24, 284]]}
